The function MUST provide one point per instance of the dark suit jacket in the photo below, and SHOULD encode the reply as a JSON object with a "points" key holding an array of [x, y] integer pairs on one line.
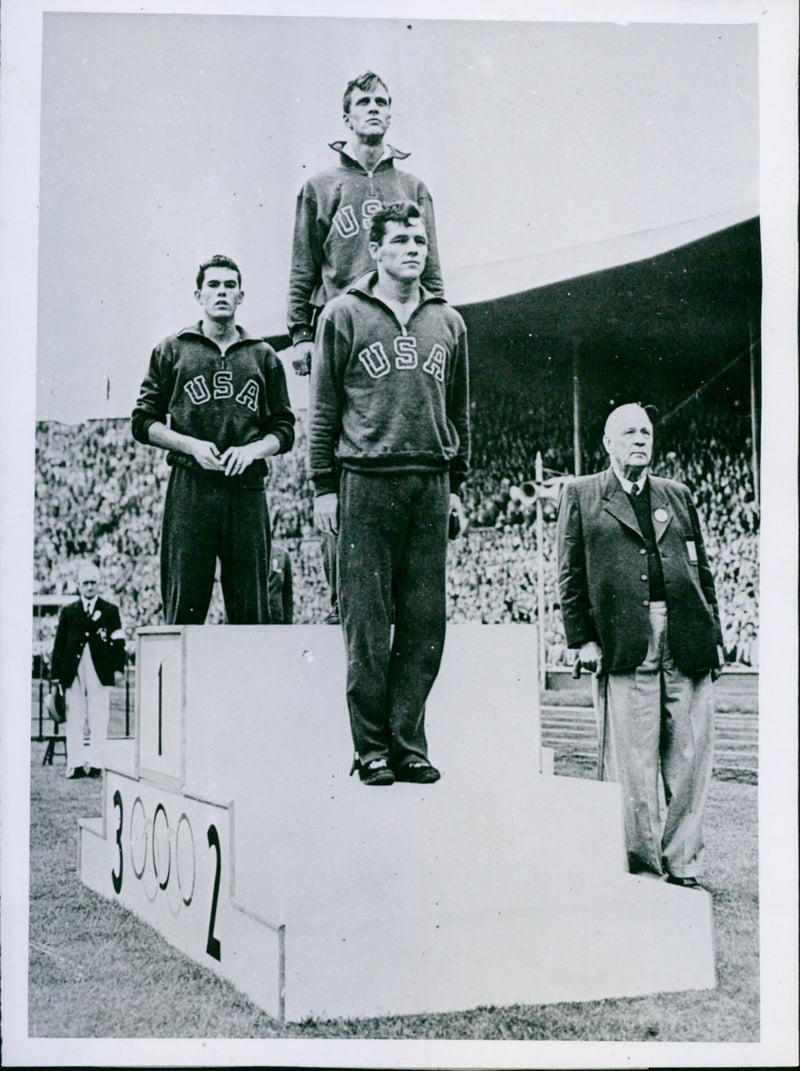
{"points": [[603, 574], [75, 630]]}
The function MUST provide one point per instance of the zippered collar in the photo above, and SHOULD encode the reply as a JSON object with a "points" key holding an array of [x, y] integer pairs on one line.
{"points": [[348, 160], [363, 287], [196, 331]]}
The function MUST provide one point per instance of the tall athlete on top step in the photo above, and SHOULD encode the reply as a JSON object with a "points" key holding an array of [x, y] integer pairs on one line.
{"points": [[330, 248]]}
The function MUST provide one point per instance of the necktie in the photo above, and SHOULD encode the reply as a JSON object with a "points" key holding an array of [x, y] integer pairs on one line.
{"points": [[635, 489]]}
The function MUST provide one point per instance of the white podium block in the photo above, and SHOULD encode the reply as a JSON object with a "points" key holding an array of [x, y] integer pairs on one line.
{"points": [[160, 692], [169, 859], [496, 885]]}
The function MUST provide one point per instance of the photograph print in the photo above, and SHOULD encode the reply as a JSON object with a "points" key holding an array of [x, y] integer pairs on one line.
{"points": [[397, 423]]}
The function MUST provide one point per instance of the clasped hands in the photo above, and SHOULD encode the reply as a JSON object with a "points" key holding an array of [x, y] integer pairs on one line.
{"points": [[232, 462]]}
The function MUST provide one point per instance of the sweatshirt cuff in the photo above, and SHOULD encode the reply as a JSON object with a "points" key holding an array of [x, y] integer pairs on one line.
{"points": [[301, 333], [325, 485], [284, 433], [456, 480], [576, 640], [140, 427]]}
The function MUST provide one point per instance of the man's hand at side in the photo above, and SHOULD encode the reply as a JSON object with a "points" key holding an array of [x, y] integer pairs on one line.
{"points": [[590, 657], [456, 516], [326, 513], [301, 357]]}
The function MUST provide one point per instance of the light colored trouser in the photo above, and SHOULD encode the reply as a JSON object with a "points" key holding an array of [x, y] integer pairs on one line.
{"points": [[87, 702], [660, 722]]}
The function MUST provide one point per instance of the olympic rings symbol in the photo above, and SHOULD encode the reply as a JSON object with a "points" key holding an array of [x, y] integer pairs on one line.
{"points": [[166, 845], [171, 851]]}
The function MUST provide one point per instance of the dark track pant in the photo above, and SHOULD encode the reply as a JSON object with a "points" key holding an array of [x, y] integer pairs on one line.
{"points": [[328, 543], [205, 520], [392, 553]]}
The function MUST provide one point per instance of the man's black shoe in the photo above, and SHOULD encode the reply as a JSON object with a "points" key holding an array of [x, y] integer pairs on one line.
{"points": [[685, 883], [419, 773], [374, 772]]}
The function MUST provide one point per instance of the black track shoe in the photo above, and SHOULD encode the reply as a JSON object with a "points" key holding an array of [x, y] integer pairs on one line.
{"points": [[418, 773], [374, 772]]}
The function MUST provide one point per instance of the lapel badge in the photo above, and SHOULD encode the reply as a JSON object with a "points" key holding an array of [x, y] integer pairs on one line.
{"points": [[660, 515]]}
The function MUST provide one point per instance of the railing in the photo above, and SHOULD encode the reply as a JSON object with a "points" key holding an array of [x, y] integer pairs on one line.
{"points": [[122, 698]]}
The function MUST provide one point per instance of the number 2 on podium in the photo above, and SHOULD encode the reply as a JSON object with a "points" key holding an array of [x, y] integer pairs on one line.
{"points": [[213, 946]]}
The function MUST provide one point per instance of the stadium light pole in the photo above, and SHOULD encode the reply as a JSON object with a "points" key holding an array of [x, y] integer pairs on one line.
{"points": [[539, 477], [576, 407], [753, 413]]}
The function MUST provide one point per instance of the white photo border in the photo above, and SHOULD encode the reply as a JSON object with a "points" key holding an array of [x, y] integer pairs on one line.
{"points": [[19, 130]]}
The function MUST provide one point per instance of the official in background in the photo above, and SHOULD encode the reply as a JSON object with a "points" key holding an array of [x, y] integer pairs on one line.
{"points": [[390, 408], [88, 658], [281, 594], [639, 606], [334, 210]]}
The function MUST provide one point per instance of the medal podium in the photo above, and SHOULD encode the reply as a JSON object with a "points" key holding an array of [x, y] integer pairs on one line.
{"points": [[230, 824]]}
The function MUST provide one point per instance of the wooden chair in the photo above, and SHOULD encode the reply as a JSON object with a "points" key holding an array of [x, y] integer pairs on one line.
{"points": [[53, 740]]}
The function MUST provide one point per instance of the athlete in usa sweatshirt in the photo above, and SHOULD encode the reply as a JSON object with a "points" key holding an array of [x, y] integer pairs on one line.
{"points": [[334, 210], [230, 399], [387, 398]]}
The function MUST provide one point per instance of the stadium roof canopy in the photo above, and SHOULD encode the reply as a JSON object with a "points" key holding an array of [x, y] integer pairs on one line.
{"points": [[664, 310], [687, 312], [486, 282]]}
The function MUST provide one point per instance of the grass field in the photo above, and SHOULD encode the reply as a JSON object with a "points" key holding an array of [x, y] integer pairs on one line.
{"points": [[97, 971]]}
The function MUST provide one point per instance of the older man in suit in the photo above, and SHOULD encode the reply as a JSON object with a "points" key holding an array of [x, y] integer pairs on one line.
{"points": [[88, 657], [638, 602]]}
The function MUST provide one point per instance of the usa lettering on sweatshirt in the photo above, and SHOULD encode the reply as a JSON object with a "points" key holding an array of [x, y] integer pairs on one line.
{"points": [[387, 398]]}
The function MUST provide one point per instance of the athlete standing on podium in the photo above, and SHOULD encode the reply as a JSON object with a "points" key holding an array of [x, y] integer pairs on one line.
{"points": [[330, 248], [390, 407], [216, 399]]}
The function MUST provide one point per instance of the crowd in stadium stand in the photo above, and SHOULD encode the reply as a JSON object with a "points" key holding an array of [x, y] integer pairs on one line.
{"points": [[99, 494]]}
